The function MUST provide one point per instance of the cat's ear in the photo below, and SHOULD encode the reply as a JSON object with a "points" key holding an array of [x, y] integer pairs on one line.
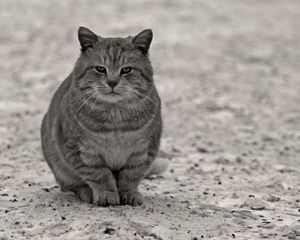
{"points": [[143, 40], [86, 38]]}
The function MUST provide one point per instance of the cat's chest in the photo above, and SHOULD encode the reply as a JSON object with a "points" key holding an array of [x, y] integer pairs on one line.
{"points": [[114, 147]]}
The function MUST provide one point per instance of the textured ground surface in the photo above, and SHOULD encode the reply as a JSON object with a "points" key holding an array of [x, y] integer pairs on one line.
{"points": [[229, 76]]}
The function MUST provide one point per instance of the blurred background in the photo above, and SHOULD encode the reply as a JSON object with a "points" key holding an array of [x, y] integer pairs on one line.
{"points": [[228, 75]]}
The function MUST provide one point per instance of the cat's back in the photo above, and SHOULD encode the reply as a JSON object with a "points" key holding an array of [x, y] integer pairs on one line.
{"points": [[57, 102], [55, 109]]}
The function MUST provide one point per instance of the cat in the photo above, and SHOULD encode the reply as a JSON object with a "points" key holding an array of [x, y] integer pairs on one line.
{"points": [[102, 131]]}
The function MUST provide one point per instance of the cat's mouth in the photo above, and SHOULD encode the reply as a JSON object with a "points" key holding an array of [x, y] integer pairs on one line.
{"points": [[113, 93], [112, 96]]}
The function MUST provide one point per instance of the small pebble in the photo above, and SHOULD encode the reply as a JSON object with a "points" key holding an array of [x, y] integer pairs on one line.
{"points": [[254, 204], [109, 231]]}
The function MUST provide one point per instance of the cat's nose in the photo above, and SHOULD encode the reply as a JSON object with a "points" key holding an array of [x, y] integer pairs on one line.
{"points": [[112, 84]]}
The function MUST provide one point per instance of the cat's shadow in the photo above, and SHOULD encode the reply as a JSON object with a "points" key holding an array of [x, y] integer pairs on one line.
{"points": [[55, 197], [154, 204]]}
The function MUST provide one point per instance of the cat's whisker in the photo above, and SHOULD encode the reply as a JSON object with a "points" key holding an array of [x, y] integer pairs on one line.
{"points": [[139, 94], [136, 110], [85, 102], [80, 96], [81, 101], [128, 99], [139, 108], [91, 110], [146, 112]]}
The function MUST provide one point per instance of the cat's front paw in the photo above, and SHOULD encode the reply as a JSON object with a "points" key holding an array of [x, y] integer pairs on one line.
{"points": [[84, 193], [106, 198], [133, 198]]}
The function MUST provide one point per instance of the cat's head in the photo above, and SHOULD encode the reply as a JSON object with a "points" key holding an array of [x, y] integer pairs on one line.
{"points": [[113, 69]]}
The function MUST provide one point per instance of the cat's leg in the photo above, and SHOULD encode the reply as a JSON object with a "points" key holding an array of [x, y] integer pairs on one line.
{"points": [[66, 178], [92, 170], [136, 168], [103, 185], [130, 176], [84, 193], [100, 187]]}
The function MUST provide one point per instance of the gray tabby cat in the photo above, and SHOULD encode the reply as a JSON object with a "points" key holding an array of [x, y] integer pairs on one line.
{"points": [[101, 133]]}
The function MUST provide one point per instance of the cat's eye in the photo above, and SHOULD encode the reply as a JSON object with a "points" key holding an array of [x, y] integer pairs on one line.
{"points": [[100, 69], [126, 70]]}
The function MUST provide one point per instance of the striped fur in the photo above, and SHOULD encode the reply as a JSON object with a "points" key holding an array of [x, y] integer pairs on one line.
{"points": [[100, 144]]}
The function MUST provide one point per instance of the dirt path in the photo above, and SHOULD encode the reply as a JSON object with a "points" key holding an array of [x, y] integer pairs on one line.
{"points": [[229, 76]]}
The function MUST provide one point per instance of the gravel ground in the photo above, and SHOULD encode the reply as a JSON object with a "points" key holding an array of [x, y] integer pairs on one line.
{"points": [[228, 74]]}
